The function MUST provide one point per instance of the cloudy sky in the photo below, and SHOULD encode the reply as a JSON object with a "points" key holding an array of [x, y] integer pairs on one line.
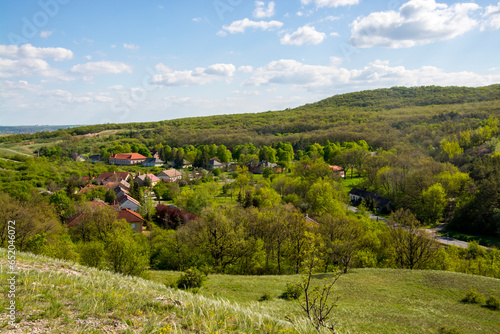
{"points": [[89, 62]]}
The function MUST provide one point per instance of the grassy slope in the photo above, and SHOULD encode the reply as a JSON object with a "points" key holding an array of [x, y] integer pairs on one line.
{"points": [[57, 296], [373, 300], [72, 298]]}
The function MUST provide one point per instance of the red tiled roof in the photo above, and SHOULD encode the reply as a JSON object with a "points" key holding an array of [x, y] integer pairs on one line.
{"points": [[152, 177], [130, 216], [336, 168], [128, 156]]}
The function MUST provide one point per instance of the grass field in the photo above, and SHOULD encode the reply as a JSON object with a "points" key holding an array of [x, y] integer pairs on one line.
{"points": [[372, 300]]}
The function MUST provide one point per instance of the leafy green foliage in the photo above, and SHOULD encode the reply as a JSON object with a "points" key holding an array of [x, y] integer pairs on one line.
{"points": [[192, 278], [473, 297]]}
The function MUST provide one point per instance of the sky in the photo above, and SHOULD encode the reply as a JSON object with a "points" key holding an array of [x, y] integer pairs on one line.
{"points": [[68, 62]]}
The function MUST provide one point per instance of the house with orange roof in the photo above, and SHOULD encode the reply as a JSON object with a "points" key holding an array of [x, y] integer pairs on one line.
{"points": [[134, 219], [127, 159], [141, 179]]}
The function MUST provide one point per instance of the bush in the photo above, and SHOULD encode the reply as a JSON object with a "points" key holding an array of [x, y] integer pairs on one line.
{"points": [[473, 297], [453, 330], [493, 303], [265, 297], [292, 292], [192, 278]]}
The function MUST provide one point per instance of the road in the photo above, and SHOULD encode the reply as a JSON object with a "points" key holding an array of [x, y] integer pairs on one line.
{"points": [[432, 231]]}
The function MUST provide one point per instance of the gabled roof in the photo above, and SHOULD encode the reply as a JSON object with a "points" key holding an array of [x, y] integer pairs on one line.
{"points": [[154, 160], [378, 200], [122, 184], [171, 173], [130, 216], [128, 156], [125, 198], [336, 168], [118, 176], [152, 177]]}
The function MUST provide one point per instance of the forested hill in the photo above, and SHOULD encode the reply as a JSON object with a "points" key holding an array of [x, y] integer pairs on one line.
{"points": [[382, 117]]}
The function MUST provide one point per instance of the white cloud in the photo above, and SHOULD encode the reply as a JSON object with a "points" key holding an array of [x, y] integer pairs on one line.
{"points": [[417, 22], [491, 18], [130, 46], [241, 25], [198, 76], [102, 67], [262, 11], [304, 35], [26, 67], [375, 74], [245, 69], [330, 3], [116, 87], [225, 70], [29, 51], [46, 33]]}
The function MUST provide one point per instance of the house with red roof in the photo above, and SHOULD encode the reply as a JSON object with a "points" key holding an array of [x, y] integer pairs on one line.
{"points": [[134, 219], [337, 170], [127, 159]]}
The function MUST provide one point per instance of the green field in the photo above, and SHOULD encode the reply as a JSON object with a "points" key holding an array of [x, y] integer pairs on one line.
{"points": [[372, 300]]}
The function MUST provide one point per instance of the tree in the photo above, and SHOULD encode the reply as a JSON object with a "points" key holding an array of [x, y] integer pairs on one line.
{"points": [[413, 248], [434, 201], [110, 196], [317, 302]]}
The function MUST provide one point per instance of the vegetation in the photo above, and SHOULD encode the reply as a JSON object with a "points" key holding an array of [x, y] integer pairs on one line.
{"points": [[277, 200]]}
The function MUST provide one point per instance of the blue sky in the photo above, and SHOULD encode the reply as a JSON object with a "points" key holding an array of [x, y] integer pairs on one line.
{"points": [[90, 62]]}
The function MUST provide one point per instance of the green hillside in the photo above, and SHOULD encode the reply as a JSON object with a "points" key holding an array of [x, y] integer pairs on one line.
{"points": [[72, 298]]}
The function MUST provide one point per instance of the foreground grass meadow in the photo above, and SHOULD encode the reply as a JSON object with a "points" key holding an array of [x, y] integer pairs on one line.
{"points": [[58, 296]]}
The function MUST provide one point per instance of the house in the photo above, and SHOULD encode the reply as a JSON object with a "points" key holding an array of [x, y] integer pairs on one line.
{"points": [[88, 188], [153, 162], [94, 159], [128, 202], [170, 175], [310, 223], [106, 177], [122, 184], [186, 164], [372, 199], [214, 163], [337, 171], [76, 157], [119, 191], [258, 168], [127, 159], [141, 179], [134, 219]]}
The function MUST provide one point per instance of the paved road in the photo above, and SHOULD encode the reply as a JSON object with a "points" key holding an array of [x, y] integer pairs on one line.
{"points": [[432, 231]]}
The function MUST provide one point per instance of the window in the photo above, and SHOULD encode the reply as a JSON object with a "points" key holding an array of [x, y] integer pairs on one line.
{"points": [[133, 226]]}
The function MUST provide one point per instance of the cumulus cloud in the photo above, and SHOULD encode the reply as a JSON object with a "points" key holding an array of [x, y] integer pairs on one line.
{"points": [[491, 18], [241, 25], [330, 3], [130, 46], [376, 74], [262, 11], [198, 76], [245, 69], [30, 51], [102, 67], [417, 22], [27, 67], [304, 35]]}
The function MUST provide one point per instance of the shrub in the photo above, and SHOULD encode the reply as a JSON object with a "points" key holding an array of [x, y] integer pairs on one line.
{"points": [[473, 297], [453, 330], [192, 278], [265, 296], [493, 303], [292, 292]]}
